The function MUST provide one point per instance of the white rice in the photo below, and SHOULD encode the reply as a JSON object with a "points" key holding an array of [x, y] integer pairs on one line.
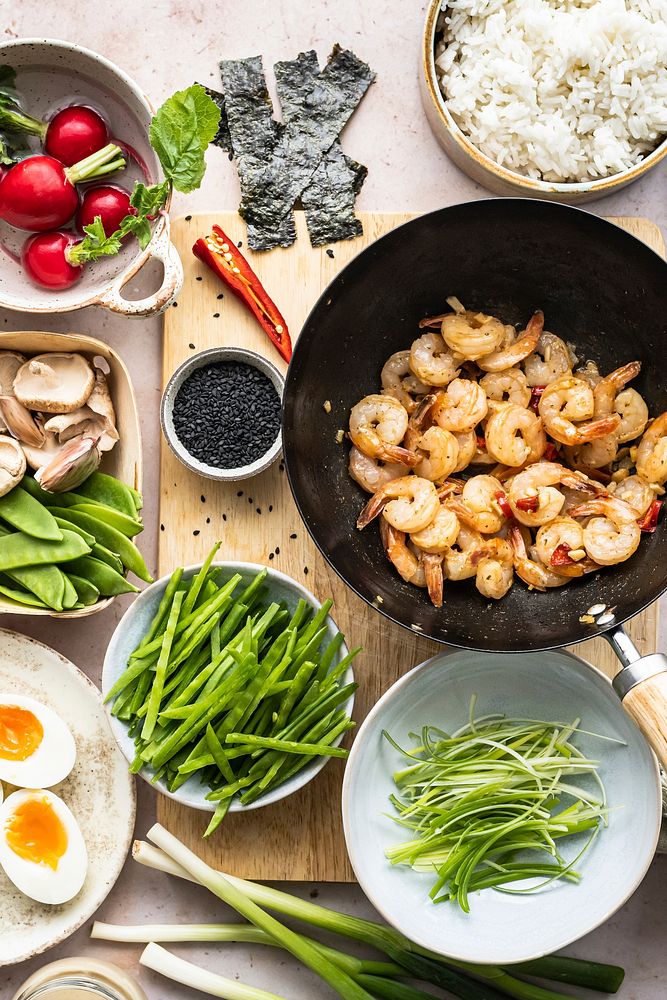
{"points": [[558, 90]]}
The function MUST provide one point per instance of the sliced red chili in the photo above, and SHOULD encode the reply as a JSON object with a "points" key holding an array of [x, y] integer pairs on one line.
{"points": [[481, 442], [561, 555], [503, 503], [550, 452], [649, 522], [224, 258], [527, 503], [535, 394]]}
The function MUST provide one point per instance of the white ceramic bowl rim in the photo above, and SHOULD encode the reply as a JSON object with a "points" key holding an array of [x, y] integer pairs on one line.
{"points": [[212, 355], [119, 729], [536, 185]]}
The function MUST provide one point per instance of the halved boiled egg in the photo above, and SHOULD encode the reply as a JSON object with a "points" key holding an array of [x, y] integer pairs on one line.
{"points": [[41, 847], [37, 749]]}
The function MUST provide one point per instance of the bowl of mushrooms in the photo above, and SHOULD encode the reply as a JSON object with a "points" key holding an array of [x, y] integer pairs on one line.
{"points": [[67, 408]]}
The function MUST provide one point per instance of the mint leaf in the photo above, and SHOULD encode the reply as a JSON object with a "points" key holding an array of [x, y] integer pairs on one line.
{"points": [[96, 244], [179, 133]]}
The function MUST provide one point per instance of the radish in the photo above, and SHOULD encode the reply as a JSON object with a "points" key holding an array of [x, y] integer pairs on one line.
{"points": [[111, 203], [38, 193], [72, 134], [44, 257]]}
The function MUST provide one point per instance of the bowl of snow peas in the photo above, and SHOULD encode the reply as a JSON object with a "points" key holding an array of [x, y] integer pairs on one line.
{"points": [[228, 686]]}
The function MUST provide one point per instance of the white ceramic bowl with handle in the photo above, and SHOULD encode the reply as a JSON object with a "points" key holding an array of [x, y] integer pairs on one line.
{"points": [[50, 75]]}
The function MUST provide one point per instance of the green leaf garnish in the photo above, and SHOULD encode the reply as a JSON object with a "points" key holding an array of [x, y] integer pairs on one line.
{"points": [[96, 244], [180, 132]]}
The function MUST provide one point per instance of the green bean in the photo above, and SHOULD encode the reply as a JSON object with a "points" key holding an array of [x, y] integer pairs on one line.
{"points": [[128, 526], [197, 581], [162, 614], [88, 593], [161, 669], [46, 582], [217, 752], [286, 746], [104, 577], [107, 556], [111, 539], [106, 490], [18, 550], [68, 526], [27, 514]]}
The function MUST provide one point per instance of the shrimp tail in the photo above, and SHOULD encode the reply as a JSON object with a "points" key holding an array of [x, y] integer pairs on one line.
{"points": [[434, 578], [594, 429], [402, 456], [432, 321], [372, 509]]}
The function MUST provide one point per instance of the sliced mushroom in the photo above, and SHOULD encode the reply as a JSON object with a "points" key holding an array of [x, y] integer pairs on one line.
{"points": [[12, 464], [96, 419], [14, 417], [54, 383], [75, 461], [37, 457]]}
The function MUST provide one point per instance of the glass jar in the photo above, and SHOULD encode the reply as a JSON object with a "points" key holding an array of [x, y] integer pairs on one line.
{"points": [[80, 979]]}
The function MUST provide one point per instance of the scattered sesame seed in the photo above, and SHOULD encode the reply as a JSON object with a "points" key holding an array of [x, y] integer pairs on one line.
{"points": [[259, 510], [250, 500], [203, 498], [277, 550], [162, 527], [330, 253], [270, 507], [305, 571], [199, 278], [208, 519], [240, 244], [270, 555], [187, 218], [220, 295], [216, 315], [240, 493], [196, 531], [191, 346], [174, 304], [293, 535]]}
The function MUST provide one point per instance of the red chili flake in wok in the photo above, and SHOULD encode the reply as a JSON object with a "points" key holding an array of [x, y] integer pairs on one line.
{"points": [[535, 394], [503, 503], [561, 555], [649, 522], [527, 503]]}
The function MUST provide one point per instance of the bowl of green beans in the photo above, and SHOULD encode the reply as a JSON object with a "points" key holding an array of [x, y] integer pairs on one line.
{"points": [[228, 686]]}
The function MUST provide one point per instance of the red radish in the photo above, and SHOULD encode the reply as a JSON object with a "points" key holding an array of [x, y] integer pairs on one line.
{"points": [[38, 193], [111, 203], [44, 257], [74, 133]]}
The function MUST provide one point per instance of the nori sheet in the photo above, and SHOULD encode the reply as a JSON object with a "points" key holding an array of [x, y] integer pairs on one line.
{"points": [[222, 137]]}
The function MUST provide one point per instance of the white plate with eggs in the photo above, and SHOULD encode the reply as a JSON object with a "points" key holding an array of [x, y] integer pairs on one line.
{"points": [[67, 818]]}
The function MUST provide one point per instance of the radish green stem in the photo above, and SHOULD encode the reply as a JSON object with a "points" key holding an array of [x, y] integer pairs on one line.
{"points": [[104, 161]]}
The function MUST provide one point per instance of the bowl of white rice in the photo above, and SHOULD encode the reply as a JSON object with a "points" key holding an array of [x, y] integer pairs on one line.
{"points": [[559, 99]]}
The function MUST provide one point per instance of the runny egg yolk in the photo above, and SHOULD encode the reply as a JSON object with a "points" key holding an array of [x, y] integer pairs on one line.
{"points": [[35, 833], [21, 732]]}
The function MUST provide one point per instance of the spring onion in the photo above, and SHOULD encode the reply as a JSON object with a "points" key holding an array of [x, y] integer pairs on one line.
{"points": [[487, 803], [416, 962], [162, 961]]}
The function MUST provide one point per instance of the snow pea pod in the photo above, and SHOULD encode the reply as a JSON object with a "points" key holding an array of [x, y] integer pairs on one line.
{"points": [[112, 539], [17, 550], [20, 509], [104, 577], [106, 556], [70, 597], [87, 592], [19, 595], [128, 526], [88, 538], [102, 488], [47, 583]]}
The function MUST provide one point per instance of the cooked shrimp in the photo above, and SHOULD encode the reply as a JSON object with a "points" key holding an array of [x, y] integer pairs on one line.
{"points": [[495, 569], [607, 389], [524, 345], [635, 491], [589, 373], [370, 473], [533, 496], [408, 503], [440, 534], [478, 505], [433, 574], [398, 381], [561, 531], [633, 412], [551, 360], [460, 407], [593, 454], [506, 387], [404, 559], [442, 454], [612, 537], [602, 451], [432, 361], [534, 573], [651, 457], [462, 558], [571, 399], [515, 435], [472, 335], [467, 442], [377, 427]]}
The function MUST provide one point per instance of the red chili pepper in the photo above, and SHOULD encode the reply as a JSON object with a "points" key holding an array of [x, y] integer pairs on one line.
{"points": [[527, 503], [550, 452], [535, 393], [503, 503], [481, 442], [561, 555], [226, 260], [649, 522]]}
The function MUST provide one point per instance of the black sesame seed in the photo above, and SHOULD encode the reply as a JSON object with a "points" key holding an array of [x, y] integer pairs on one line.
{"points": [[196, 531], [330, 253], [227, 414], [240, 244], [259, 510], [270, 507], [270, 555], [293, 535], [162, 527], [174, 304], [216, 315], [208, 519], [203, 498], [277, 550], [305, 571], [187, 218], [224, 518], [191, 346], [220, 295], [240, 493], [199, 278]]}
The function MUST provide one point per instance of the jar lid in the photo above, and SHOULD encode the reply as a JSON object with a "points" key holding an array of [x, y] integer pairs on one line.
{"points": [[89, 972]]}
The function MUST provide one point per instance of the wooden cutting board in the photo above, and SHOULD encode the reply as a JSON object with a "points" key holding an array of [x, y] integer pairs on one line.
{"points": [[301, 837]]}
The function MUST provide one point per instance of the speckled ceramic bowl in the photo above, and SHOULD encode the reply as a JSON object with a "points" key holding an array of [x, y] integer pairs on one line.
{"points": [[133, 627], [486, 171], [211, 356], [50, 75]]}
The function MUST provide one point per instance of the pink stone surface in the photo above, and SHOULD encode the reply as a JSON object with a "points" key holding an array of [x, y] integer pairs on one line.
{"points": [[165, 45]]}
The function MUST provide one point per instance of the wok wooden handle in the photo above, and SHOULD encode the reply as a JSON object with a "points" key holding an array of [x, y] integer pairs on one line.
{"points": [[646, 703]]}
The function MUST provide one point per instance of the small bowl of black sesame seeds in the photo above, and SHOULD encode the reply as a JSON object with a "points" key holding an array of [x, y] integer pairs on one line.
{"points": [[221, 413]]}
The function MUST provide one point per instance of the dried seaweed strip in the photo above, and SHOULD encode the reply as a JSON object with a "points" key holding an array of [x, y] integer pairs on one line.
{"points": [[325, 102], [254, 135], [328, 201], [222, 137]]}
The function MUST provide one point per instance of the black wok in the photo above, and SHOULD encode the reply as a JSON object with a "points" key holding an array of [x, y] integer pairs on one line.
{"points": [[598, 286]]}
